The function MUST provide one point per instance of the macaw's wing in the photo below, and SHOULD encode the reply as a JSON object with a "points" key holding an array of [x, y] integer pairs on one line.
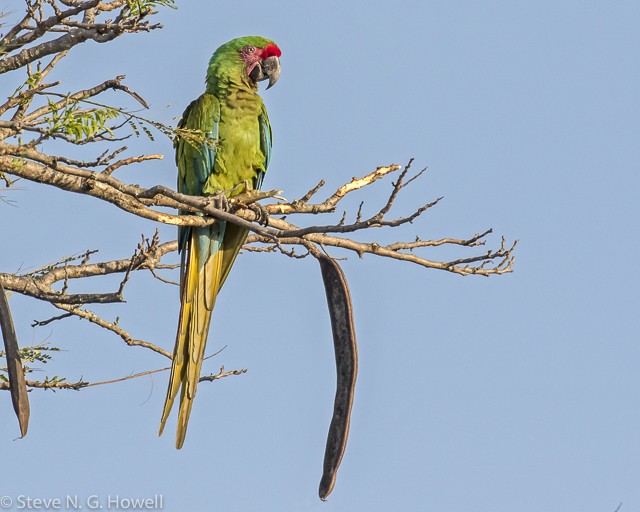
{"points": [[266, 138], [201, 262], [236, 235], [195, 165]]}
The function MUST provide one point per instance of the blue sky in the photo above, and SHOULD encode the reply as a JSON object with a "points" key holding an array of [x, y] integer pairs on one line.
{"points": [[512, 393]]}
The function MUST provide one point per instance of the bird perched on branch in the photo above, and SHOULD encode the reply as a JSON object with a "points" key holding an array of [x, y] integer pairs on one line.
{"points": [[233, 117]]}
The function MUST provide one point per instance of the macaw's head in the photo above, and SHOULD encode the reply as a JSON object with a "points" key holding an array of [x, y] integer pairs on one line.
{"points": [[250, 59]]}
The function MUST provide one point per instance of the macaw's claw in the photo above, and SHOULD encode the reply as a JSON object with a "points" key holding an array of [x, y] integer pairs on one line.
{"points": [[251, 196], [220, 201], [262, 214]]}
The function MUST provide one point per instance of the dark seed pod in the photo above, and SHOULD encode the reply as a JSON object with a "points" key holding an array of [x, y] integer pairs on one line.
{"points": [[19, 395], [344, 341]]}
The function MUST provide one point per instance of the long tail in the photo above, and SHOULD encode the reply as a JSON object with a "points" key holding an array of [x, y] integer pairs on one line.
{"points": [[206, 261]]}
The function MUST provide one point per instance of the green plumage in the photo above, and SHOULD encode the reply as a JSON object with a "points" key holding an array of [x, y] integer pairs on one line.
{"points": [[236, 121]]}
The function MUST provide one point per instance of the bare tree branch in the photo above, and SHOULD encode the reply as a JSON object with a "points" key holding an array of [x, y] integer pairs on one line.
{"points": [[38, 323], [133, 199], [56, 384], [39, 286], [221, 374]]}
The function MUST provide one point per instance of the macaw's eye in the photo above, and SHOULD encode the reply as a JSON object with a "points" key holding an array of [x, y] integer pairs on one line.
{"points": [[251, 49]]}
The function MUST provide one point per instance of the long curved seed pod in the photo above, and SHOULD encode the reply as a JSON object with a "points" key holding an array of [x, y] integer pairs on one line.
{"points": [[344, 341], [19, 395]]}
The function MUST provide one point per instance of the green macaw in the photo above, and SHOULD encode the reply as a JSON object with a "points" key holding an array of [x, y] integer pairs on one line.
{"points": [[233, 115]]}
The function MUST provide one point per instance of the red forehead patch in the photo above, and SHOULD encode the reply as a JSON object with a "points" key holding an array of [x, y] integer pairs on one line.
{"points": [[271, 51]]}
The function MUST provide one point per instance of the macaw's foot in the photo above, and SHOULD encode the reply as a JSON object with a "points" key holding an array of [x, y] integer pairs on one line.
{"points": [[219, 200], [262, 214], [251, 196]]}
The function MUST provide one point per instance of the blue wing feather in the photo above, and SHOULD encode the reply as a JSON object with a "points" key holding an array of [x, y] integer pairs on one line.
{"points": [[209, 237], [265, 145]]}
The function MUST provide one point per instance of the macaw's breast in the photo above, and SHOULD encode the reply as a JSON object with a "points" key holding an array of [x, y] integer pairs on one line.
{"points": [[238, 157]]}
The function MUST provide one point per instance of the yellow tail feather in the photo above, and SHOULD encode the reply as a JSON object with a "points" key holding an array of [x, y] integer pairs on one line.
{"points": [[198, 296]]}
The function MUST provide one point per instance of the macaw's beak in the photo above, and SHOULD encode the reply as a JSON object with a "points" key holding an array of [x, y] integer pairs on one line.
{"points": [[271, 68], [268, 68]]}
